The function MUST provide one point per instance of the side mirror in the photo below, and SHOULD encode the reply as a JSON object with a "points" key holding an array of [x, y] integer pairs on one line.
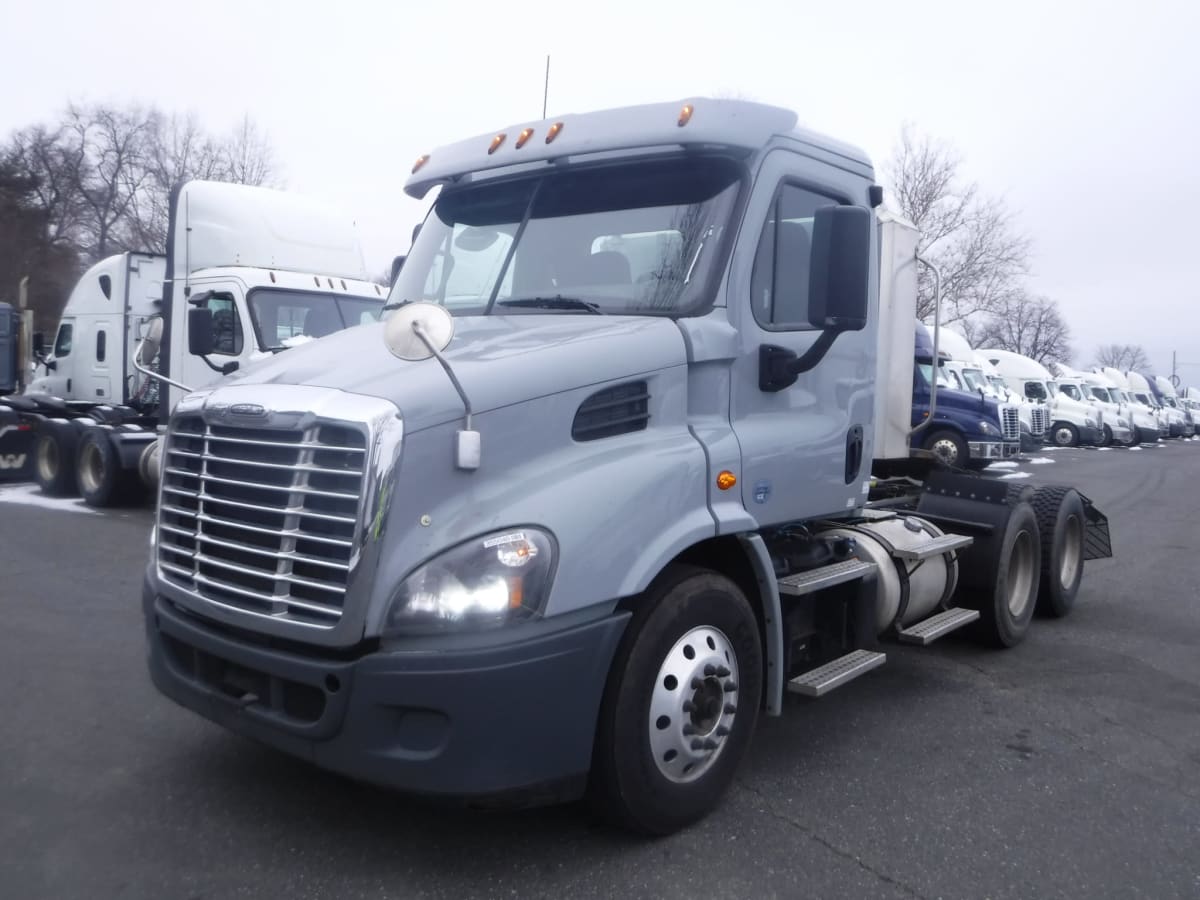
{"points": [[841, 266], [200, 331], [39, 344]]}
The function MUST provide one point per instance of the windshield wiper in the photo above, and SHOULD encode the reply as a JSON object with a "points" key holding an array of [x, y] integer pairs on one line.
{"points": [[396, 305], [556, 302]]}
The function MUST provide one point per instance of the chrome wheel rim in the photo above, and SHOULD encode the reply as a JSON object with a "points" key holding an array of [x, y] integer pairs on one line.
{"points": [[1062, 437], [1072, 553], [947, 450], [1020, 574], [91, 468], [694, 704], [47, 459]]}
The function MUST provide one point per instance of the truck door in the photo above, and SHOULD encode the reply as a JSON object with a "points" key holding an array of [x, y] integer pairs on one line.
{"points": [[806, 449], [230, 337], [60, 381], [104, 340]]}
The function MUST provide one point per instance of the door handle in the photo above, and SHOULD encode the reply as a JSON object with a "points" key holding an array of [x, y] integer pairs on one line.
{"points": [[854, 452]]}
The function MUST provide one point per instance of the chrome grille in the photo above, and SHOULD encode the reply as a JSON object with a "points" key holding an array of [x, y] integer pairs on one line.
{"points": [[262, 519], [1010, 423], [1037, 419]]}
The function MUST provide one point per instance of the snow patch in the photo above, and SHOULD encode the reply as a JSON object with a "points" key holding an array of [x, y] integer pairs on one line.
{"points": [[1017, 475], [296, 340], [1103, 449], [1131, 449], [1041, 460], [30, 495], [1003, 465]]}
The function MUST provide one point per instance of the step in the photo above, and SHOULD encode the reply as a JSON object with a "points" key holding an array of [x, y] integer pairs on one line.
{"points": [[929, 630], [944, 544], [821, 681], [827, 576]]}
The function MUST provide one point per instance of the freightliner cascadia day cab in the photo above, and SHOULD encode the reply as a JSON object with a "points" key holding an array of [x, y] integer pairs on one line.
{"points": [[967, 429], [1114, 426], [255, 271], [1072, 422], [1170, 397], [1144, 417], [598, 489], [1176, 421]]}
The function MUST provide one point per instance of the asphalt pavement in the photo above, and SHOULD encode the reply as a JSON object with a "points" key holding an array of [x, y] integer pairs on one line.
{"points": [[1068, 766]]}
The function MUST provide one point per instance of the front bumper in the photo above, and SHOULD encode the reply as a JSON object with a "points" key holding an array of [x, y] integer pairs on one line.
{"points": [[1029, 442], [1011, 449], [1147, 435], [1090, 434], [509, 723], [1121, 434], [988, 450], [1175, 429]]}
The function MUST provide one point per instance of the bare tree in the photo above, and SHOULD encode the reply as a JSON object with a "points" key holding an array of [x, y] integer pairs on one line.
{"points": [[52, 163], [1031, 326], [1123, 357], [249, 156], [972, 239]]}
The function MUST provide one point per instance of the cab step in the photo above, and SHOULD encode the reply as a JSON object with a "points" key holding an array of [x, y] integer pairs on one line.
{"points": [[947, 543], [822, 680], [929, 630], [826, 576]]}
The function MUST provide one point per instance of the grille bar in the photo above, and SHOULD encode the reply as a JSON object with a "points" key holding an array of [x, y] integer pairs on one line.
{"points": [[262, 520]]}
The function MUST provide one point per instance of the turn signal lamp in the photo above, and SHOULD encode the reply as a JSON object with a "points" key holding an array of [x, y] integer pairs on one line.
{"points": [[726, 480]]}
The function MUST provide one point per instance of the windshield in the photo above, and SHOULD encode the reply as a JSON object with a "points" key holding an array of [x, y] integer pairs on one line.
{"points": [[1101, 394], [975, 379], [1143, 399], [949, 378], [1071, 391], [282, 318], [1035, 390], [637, 239]]}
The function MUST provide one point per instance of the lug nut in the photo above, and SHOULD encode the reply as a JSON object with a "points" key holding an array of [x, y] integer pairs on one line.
{"points": [[722, 731], [730, 687], [722, 672], [730, 709], [710, 670]]}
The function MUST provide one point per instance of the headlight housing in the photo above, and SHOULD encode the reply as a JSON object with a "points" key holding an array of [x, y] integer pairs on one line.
{"points": [[487, 582], [1090, 422], [986, 427]]}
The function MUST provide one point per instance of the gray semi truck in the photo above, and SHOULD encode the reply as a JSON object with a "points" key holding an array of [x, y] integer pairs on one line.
{"points": [[626, 462]]}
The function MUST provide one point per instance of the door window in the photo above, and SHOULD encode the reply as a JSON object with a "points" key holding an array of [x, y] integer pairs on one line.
{"points": [[779, 279], [101, 345], [227, 325], [62, 343]]}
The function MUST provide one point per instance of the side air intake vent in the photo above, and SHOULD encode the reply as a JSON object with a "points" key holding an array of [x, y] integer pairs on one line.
{"points": [[612, 411]]}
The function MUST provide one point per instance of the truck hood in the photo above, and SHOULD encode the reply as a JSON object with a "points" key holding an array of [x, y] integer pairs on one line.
{"points": [[500, 360]]}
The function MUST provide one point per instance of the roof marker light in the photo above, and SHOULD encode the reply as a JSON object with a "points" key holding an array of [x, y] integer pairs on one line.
{"points": [[496, 142], [685, 114], [523, 137], [421, 160], [553, 132]]}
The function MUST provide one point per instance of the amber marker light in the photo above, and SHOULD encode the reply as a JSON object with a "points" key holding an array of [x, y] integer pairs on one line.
{"points": [[523, 137], [553, 132], [685, 114], [421, 160], [496, 142], [726, 480]]}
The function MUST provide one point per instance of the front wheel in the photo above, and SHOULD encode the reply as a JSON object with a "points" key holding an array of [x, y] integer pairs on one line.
{"points": [[948, 447], [1066, 434], [1106, 439], [681, 703]]}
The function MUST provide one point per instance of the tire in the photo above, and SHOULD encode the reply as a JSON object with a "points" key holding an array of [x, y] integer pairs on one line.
{"points": [[1106, 438], [1064, 434], [1006, 606], [54, 461], [647, 775], [1134, 437], [102, 481], [948, 447], [1061, 524]]}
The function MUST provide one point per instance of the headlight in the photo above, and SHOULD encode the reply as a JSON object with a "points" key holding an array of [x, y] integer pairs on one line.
{"points": [[986, 427], [1089, 422], [1122, 423], [487, 582]]}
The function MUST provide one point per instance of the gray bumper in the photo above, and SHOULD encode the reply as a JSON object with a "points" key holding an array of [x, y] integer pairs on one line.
{"points": [[989, 449]]}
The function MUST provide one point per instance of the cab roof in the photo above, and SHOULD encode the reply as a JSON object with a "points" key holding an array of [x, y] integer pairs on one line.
{"points": [[695, 122]]}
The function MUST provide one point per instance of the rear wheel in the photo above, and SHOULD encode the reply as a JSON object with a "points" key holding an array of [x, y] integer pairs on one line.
{"points": [[1060, 519], [1006, 604], [681, 703], [54, 458], [102, 480]]}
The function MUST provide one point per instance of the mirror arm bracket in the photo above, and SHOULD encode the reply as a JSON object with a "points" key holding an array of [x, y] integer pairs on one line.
{"points": [[779, 367], [224, 368]]}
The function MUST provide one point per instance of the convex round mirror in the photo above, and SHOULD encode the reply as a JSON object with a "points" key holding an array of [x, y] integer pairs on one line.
{"points": [[400, 330]]}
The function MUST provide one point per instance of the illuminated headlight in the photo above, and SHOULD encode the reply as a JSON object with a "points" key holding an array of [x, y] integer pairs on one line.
{"points": [[986, 427], [1089, 422], [490, 581]]}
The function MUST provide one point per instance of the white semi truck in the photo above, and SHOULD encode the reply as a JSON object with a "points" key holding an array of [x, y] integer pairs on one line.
{"points": [[250, 272], [970, 368], [1072, 421], [604, 485], [1139, 388], [1146, 421], [1080, 386], [1180, 420]]}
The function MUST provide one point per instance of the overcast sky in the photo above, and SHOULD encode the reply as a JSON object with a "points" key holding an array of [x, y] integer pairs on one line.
{"points": [[1085, 117]]}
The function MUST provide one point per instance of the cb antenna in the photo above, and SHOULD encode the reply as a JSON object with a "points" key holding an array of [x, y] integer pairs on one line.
{"points": [[546, 88]]}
